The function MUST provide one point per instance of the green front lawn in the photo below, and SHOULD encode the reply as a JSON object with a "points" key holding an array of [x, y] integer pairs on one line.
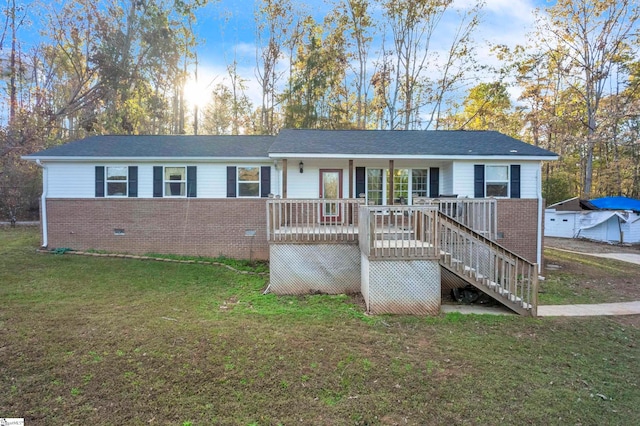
{"points": [[92, 340]]}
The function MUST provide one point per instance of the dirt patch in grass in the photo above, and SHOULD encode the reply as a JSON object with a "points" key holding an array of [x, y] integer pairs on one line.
{"points": [[576, 278], [588, 246], [628, 321]]}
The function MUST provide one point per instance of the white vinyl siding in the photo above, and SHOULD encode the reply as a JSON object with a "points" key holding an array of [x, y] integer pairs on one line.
{"points": [[212, 180], [530, 186], [446, 179], [72, 180], [307, 184], [463, 177], [303, 185]]}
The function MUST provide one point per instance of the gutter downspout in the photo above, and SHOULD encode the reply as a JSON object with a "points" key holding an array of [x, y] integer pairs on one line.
{"points": [[43, 203], [540, 213]]}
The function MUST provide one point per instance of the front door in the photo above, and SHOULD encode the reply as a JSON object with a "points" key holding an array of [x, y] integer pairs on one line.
{"points": [[330, 189]]}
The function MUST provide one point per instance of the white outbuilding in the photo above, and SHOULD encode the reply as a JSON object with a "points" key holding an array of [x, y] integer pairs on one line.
{"points": [[609, 219]]}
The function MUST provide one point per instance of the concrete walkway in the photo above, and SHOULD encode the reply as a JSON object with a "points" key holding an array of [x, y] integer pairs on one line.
{"points": [[624, 257], [600, 309], [476, 309]]}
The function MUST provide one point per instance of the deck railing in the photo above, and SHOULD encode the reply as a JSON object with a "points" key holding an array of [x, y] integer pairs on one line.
{"points": [[316, 220], [399, 232], [430, 231], [479, 214], [487, 264]]}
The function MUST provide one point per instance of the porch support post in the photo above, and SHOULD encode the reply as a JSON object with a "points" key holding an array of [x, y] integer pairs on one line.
{"points": [[284, 178], [351, 194], [390, 188]]}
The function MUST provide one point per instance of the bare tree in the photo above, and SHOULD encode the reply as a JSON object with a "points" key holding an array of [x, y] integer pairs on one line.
{"points": [[594, 34], [359, 25], [413, 25], [273, 21]]}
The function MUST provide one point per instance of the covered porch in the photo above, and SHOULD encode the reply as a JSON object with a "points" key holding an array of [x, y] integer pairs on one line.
{"points": [[378, 181]]}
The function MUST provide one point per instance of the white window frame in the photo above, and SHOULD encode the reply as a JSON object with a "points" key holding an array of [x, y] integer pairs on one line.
{"points": [[426, 183], [107, 181], [488, 181], [385, 183], [239, 182], [166, 181], [382, 189], [409, 172]]}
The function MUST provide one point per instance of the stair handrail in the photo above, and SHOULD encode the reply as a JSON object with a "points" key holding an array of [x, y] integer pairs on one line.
{"points": [[510, 275]]}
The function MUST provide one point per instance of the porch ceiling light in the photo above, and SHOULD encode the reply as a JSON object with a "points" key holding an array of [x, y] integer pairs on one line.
{"points": [[301, 165]]}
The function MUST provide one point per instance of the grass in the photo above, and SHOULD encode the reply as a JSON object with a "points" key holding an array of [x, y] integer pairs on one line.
{"points": [[255, 266], [97, 340], [587, 279]]}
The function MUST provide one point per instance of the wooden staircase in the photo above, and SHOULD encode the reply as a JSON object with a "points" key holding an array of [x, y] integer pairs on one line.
{"points": [[486, 265]]}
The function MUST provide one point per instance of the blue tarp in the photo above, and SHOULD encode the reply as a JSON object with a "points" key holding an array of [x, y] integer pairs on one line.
{"points": [[617, 203]]}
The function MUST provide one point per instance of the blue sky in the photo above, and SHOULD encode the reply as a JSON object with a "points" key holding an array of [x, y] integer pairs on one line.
{"points": [[226, 29]]}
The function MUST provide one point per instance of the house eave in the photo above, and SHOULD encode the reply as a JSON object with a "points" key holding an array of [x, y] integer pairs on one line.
{"points": [[72, 159], [469, 157]]}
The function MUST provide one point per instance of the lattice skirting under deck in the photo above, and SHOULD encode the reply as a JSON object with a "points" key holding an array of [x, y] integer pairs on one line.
{"points": [[401, 286], [314, 268]]}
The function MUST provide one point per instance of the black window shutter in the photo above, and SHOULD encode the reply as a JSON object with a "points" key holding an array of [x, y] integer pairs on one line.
{"points": [[515, 181], [478, 181], [99, 181], [133, 181], [361, 181], [192, 181], [231, 182], [265, 181], [434, 182], [157, 181]]}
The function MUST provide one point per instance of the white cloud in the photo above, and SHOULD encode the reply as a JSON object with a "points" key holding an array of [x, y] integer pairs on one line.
{"points": [[511, 9], [504, 22], [507, 22]]}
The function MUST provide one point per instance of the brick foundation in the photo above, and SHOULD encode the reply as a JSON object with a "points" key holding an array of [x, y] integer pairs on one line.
{"points": [[214, 227], [196, 227], [518, 223]]}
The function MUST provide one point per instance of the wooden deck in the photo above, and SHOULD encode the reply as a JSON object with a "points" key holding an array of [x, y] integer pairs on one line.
{"points": [[316, 230], [309, 234], [398, 232], [421, 232], [399, 244]]}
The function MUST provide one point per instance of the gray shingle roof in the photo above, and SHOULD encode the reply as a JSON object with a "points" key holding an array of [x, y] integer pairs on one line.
{"points": [[162, 147], [301, 142], [403, 142]]}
